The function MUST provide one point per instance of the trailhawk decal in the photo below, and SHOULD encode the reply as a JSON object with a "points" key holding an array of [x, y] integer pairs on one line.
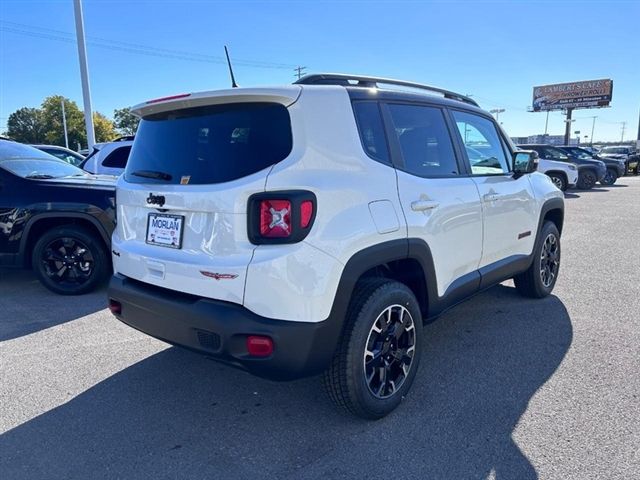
{"points": [[219, 276]]}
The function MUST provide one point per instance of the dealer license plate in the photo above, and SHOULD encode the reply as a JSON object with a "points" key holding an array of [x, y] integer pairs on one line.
{"points": [[165, 230]]}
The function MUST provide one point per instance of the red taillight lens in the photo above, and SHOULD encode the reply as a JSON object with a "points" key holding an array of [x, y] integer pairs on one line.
{"points": [[278, 218], [275, 218], [306, 212], [115, 307], [259, 346]]}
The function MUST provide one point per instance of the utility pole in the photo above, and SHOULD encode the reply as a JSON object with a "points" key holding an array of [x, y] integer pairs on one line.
{"points": [[64, 124], [593, 127], [497, 111], [567, 128], [84, 74], [624, 127], [299, 71], [546, 124]]}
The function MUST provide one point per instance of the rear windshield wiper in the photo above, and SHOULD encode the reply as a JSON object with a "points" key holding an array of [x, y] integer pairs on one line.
{"points": [[152, 174]]}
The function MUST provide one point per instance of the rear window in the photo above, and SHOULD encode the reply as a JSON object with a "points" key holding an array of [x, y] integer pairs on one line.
{"points": [[117, 158], [212, 144]]}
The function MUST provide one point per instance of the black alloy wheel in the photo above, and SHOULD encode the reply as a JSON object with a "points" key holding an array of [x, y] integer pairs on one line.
{"points": [[587, 180], [378, 353], [549, 260], [70, 260], [391, 346], [610, 177]]}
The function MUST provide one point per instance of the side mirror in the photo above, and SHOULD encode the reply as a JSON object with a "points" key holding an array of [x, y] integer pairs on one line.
{"points": [[525, 161]]}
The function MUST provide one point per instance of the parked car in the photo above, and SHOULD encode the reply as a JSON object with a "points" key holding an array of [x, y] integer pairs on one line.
{"points": [[108, 158], [592, 150], [615, 168], [589, 171], [55, 219], [69, 156], [311, 228], [627, 154], [563, 175]]}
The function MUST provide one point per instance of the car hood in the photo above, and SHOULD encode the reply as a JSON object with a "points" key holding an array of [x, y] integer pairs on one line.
{"points": [[615, 156], [90, 181]]}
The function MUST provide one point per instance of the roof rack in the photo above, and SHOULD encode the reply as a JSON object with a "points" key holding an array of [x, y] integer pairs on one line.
{"points": [[372, 82]]}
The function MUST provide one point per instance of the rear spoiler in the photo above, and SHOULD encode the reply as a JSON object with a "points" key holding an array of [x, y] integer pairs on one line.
{"points": [[283, 95]]}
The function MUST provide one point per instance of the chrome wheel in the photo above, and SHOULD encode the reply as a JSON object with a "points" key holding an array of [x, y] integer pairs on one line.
{"points": [[549, 260], [67, 261], [557, 181], [389, 351]]}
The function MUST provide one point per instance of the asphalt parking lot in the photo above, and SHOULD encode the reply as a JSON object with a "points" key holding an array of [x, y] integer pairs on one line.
{"points": [[508, 388]]}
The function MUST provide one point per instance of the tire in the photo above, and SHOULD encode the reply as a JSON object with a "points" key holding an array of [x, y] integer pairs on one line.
{"points": [[558, 180], [70, 260], [354, 382], [586, 180], [540, 278], [610, 177]]}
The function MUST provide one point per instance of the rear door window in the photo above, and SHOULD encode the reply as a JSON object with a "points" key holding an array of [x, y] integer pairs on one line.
{"points": [[212, 144], [424, 140]]}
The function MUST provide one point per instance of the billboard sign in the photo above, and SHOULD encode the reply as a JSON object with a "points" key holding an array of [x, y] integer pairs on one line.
{"points": [[588, 94]]}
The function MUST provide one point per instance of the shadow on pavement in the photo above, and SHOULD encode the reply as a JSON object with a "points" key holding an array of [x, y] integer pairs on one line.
{"points": [[179, 415], [28, 307]]}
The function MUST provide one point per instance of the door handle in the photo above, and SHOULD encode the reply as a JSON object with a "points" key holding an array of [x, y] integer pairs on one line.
{"points": [[422, 205], [490, 197]]}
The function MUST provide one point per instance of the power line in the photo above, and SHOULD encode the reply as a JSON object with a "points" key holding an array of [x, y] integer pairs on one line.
{"points": [[129, 47]]}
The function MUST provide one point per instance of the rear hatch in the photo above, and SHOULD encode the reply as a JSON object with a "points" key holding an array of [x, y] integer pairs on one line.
{"points": [[182, 201]]}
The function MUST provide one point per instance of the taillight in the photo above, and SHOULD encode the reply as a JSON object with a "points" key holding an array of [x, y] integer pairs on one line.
{"points": [[280, 217], [275, 218], [306, 212]]}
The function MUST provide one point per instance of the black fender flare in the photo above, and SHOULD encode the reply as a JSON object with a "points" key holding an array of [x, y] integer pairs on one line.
{"points": [[104, 234], [555, 203]]}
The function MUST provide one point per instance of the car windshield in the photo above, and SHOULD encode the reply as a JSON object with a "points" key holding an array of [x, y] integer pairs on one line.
{"points": [[618, 150], [29, 162], [578, 153]]}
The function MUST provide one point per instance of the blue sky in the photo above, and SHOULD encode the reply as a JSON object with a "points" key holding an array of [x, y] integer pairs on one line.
{"points": [[496, 51]]}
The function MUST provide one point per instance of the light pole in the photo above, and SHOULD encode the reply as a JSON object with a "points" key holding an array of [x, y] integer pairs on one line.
{"points": [[593, 127], [84, 74], [64, 124], [497, 112]]}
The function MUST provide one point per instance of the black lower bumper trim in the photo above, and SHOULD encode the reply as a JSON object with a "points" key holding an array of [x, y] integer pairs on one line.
{"points": [[219, 329]]}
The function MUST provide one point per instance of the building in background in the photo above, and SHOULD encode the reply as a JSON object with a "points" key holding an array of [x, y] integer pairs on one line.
{"points": [[545, 139]]}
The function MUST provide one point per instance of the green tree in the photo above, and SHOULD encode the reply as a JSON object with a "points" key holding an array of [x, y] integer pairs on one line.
{"points": [[52, 112], [27, 125], [103, 128], [125, 121]]}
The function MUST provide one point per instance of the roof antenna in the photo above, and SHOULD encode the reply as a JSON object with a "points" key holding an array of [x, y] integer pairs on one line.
{"points": [[233, 79]]}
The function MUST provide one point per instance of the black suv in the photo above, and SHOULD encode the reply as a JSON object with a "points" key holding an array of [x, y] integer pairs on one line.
{"points": [[54, 218], [615, 168], [589, 171], [625, 153]]}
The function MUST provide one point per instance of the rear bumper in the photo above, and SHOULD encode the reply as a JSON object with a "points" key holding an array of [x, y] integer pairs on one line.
{"points": [[220, 329]]}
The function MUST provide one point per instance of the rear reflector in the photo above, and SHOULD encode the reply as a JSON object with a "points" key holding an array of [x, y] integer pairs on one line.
{"points": [[172, 97], [259, 346], [115, 307], [275, 218]]}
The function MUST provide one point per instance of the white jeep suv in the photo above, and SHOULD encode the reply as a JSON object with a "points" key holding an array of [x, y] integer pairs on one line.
{"points": [[563, 175], [313, 228]]}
